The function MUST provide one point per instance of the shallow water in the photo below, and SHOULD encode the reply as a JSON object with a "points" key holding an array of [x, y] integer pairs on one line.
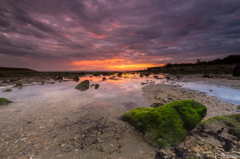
{"points": [[226, 94], [120, 92]]}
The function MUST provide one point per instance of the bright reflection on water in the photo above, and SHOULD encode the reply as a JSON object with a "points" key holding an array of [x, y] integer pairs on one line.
{"points": [[226, 94], [116, 93]]}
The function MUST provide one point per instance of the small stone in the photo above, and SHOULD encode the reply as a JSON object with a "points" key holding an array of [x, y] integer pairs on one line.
{"points": [[223, 143], [23, 139], [141, 151]]}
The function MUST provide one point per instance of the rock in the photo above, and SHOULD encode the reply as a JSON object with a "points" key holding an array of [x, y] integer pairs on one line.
{"points": [[59, 78], [231, 123], [96, 86], [76, 78], [7, 90], [236, 71], [119, 74], [104, 78], [155, 105], [67, 148], [167, 125], [83, 86], [18, 85], [4, 101]]}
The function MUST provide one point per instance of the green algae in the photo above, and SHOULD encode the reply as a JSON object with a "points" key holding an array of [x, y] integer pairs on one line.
{"points": [[230, 122], [168, 125], [7, 90], [83, 86], [4, 101]]}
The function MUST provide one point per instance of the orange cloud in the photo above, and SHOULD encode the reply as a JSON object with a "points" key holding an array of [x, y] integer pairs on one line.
{"points": [[92, 35], [117, 26], [110, 64]]}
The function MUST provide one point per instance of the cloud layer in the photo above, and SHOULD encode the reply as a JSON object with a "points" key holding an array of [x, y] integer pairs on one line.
{"points": [[113, 35]]}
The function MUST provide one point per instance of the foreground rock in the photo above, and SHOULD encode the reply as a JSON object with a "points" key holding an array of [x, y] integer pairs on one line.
{"points": [[168, 125], [83, 86], [231, 123], [4, 101]]}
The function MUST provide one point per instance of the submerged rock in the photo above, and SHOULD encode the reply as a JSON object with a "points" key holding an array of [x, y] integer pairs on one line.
{"points": [[83, 86], [96, 86], [4, 101], [76, 79], [168, 125], [7, 90]]}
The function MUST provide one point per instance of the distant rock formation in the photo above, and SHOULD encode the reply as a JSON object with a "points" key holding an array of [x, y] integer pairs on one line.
{"points": [[236, 71]]}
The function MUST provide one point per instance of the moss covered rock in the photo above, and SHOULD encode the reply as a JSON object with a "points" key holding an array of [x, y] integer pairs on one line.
{"points": [[7, 90], [231, 123], [83, 86], [168, 125], [4, 101]]}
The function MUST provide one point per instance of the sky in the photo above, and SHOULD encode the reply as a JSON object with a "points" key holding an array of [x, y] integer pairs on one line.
{"points": [[108, 35]]}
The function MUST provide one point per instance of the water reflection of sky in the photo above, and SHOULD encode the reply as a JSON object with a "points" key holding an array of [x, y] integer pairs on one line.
{"points": [[127, 89], [226, 94]]}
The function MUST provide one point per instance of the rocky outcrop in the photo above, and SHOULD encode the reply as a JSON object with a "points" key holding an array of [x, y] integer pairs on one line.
{"points": [[83, 86], [4, 101], [168, 125], [236, 71]]}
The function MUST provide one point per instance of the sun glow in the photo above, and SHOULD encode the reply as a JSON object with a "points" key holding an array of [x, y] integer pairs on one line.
{"points": [[110, 64]]}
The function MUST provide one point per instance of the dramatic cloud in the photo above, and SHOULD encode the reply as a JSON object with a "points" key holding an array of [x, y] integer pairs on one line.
{"points": [[113, 35]]}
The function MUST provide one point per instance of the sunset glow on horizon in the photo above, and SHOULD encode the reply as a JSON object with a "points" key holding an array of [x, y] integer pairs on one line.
{"points": [[95, 35]]}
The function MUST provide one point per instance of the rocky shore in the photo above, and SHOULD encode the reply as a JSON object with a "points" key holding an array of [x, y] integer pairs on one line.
{"points": [[64, 129], [205, 143]]}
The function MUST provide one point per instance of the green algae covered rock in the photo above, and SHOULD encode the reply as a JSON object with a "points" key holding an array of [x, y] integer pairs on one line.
{"points": [[4, 101], [7, 90], [168, 125], [231, 124], [83, 86]]}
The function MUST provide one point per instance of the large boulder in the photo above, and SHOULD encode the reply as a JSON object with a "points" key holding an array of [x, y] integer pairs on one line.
{"points": [[83, 86], [236, 71], [168, 125], [4, 101]]}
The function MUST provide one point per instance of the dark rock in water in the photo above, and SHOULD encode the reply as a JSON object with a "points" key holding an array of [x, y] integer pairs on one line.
{"points": [[155, 77], [59, 78], [4, 101], [141, 75], [96, 74], [168, 125], [7, 90], [119, 74], [236, 71], [96, 86], [18, 85], [104, 78], [83, 86], [76, 78]]}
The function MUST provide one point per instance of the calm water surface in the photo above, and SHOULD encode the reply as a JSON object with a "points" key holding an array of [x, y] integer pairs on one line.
{"points": [[124, 91]]}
